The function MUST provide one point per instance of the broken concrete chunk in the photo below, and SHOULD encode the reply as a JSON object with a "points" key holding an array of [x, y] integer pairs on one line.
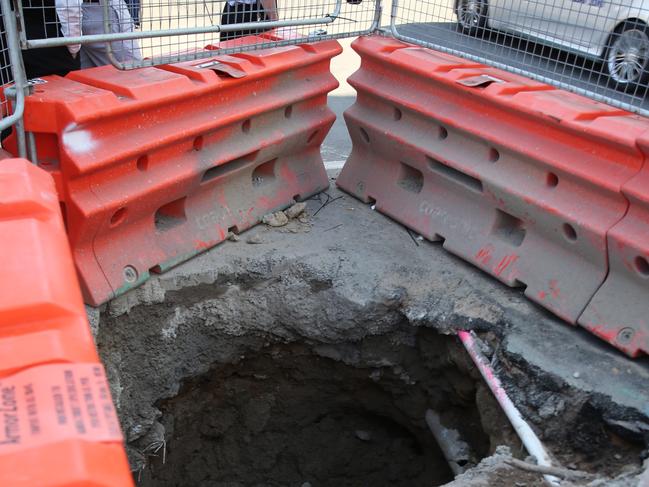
{"points": [[296, 210], [233, 237], [277, 219], [254, 239]]}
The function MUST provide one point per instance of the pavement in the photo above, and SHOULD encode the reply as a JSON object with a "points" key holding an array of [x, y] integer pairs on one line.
{"points": [[338, 145]]}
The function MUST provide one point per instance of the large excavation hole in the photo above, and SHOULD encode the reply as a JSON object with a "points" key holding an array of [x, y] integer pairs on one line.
{"points": [[281, 376], [291, 415]]}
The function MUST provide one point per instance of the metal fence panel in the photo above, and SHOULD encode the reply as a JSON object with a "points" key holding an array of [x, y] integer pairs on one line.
{"points": [[151, 32], [12, 77], [598, 48]]}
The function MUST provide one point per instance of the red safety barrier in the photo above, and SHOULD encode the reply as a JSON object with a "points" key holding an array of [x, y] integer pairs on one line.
{"points": [[518, 178], [157, 164], [619, 311], [58, 426]]}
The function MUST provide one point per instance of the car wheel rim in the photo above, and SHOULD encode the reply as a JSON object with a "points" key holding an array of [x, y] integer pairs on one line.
{"points": [[469, 12], [628, 56]]}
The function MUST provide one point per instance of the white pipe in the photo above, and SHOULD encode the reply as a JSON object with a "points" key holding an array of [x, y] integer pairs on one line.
{"points": [[525, 433], [453, 448], [644, 479]]}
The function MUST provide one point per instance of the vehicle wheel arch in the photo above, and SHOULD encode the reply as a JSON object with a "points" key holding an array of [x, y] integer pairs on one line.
{"points": [[617, 30]]}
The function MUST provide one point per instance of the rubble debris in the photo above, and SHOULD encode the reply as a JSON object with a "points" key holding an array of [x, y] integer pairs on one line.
{"points": [[254, 239], [277, 219], [295, 211]]}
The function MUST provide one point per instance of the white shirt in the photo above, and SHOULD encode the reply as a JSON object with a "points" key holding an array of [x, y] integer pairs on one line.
{"points": [[123, 15], [69, 13]]}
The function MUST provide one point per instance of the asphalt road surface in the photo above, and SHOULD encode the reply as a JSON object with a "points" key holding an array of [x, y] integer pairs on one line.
{"points": [[527, 55]]}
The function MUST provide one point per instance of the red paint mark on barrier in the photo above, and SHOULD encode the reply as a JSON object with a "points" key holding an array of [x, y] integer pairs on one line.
{"points": [[288, 175], [629, 265], [200, 245], [264, 202], [50, 403], [542, 294], [607, 334], [504, 263], [554, 288], [484, 255]]}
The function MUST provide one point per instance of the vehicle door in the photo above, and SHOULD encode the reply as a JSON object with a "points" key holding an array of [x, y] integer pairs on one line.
{"points": [[532, 18], [585, 25]]}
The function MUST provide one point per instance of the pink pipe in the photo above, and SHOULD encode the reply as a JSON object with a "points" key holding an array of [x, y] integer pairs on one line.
{"points": [[524, 431]]}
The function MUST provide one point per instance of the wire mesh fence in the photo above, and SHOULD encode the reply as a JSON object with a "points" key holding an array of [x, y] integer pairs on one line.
{"points": [[598, 48], [294, 19], [150, 32], [12, 78], [6, 74]]}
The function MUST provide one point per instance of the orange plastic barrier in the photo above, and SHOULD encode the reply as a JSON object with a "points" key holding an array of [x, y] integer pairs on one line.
{"points": [[518, 178], [157, 164], [58, 426], [619, 311]]}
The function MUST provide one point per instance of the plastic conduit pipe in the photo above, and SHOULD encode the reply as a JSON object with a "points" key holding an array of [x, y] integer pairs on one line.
{"points": [[531, 442]]}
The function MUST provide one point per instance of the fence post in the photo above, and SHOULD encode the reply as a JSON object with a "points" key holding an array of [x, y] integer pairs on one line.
{"points": [[18, 72]]}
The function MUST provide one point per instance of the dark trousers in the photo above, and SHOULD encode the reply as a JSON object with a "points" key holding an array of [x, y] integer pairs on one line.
{"points": [[240, 13], [49, 60], [41, 22], [134, 8]]}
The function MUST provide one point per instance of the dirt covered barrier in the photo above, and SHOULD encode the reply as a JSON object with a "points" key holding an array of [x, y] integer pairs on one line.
{"points": [[309, 354]]}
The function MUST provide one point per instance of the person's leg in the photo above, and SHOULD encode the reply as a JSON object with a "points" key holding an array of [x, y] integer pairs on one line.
{"points": [[239, 13], [134, 8], [49, 60], [260, 16], [137, 19], [228, 17]]}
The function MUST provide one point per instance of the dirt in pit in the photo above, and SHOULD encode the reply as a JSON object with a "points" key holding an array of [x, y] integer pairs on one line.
{"points": [[286, 416], [223, 384], [347, 414]]}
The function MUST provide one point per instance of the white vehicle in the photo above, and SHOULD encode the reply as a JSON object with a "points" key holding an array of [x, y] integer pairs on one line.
{"points": [[614, 32]]}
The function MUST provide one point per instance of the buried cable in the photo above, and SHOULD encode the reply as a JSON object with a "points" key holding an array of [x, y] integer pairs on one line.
{"points": [[523, 430]]}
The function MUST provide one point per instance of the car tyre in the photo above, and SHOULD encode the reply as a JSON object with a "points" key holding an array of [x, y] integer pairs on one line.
{"points": [[626, 61], [471, 15]]}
